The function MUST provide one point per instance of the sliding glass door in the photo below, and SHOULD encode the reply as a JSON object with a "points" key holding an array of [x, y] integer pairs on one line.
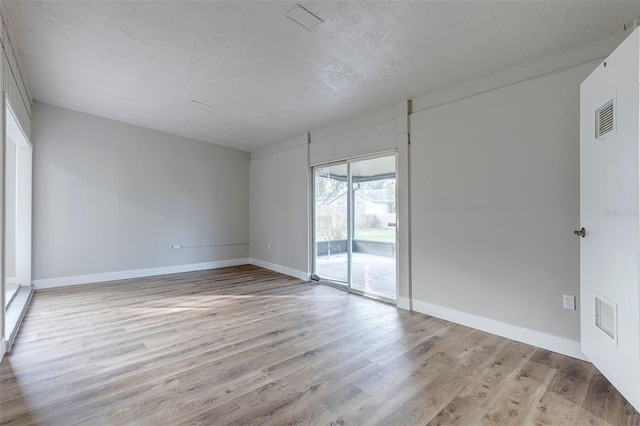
{"points": [[10, 167], [355, 225], [373, 260], [331, 223], [17, 225]]}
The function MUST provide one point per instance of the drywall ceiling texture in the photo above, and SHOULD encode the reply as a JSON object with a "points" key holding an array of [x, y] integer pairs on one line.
{"points": [[265, 78]]}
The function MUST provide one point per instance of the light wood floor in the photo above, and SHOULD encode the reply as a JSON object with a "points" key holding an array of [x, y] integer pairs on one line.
{"points": [[242, 345]]}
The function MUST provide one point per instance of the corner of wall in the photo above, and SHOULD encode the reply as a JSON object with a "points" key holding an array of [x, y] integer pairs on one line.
{"points": [[592, 52], [403, 303], [282, 146], [520, 334], [301, 275]]}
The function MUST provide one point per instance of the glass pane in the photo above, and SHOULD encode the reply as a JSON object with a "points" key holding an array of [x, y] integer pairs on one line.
{"points": [[11, 284], [374, 244], [331, 223]]}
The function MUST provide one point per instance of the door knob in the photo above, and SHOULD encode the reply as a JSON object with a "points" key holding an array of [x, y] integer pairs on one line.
{"points": [[582, 232]]}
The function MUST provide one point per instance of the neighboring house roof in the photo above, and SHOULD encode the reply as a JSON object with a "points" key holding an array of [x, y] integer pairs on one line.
{"points": [[374, 195]]}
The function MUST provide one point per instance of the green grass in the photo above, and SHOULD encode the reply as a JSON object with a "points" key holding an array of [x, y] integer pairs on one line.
{"points": [[375, 234]]}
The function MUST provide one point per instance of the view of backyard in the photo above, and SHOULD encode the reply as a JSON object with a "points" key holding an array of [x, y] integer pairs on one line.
{"points": [[374, 210], [387, 235], [371, 206]]}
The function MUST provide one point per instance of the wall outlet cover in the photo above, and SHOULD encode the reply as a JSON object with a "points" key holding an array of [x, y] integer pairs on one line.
{"points": [[569, 302]]}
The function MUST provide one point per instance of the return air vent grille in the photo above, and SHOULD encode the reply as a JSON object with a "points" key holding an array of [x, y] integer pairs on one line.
{"points": [[605, 120], [606, 316]]}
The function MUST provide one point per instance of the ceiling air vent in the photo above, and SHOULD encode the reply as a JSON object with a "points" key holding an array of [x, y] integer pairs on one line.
{"points": [[605, 120], [303, 17], [199, 104], [606, 316]]}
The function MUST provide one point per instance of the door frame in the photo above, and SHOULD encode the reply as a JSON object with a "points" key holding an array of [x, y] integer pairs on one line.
{"points": [[350, 224], [14, 133]]}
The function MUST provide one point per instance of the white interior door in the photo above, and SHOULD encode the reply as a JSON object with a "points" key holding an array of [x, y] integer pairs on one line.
{"points": [[609, 250]]}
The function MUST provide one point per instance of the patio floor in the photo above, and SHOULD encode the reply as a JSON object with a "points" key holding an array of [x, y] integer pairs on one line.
{"points": [[372, 274]]}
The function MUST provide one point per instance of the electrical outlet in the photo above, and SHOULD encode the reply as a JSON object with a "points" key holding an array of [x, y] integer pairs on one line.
{"points": [[268, 247], [569, 302], [176, 247]]}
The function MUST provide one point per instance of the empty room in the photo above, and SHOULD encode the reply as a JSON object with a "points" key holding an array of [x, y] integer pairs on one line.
{"points": [[327, 212]]}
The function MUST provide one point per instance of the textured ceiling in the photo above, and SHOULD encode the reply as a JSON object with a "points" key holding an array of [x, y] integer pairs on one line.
{"points": [[265, 78]]}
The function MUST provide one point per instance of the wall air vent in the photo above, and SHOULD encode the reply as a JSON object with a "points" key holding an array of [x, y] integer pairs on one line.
{"points": [[606, 316], [606, 120]]}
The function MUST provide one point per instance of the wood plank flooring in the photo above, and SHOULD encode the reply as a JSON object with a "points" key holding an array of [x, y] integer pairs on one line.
{"points": [[246, 346]]}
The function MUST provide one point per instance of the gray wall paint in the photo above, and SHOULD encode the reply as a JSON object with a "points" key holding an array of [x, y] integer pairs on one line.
{"points": [[279, 208], [495, 197], [109, 196]]}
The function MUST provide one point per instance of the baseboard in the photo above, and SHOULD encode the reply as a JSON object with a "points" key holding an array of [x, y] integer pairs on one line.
{"points": [[403, 303], [531, 337], [3, 348], [304, 276], [134, 273]]}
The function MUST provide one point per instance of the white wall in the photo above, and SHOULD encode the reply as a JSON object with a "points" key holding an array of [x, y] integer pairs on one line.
{"points": [[495, 198], [280, 209], [365, 135], [109, 196]]}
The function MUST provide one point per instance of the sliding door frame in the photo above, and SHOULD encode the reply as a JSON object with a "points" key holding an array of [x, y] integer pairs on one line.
{"points": [[350, 224], [23, 191]]}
